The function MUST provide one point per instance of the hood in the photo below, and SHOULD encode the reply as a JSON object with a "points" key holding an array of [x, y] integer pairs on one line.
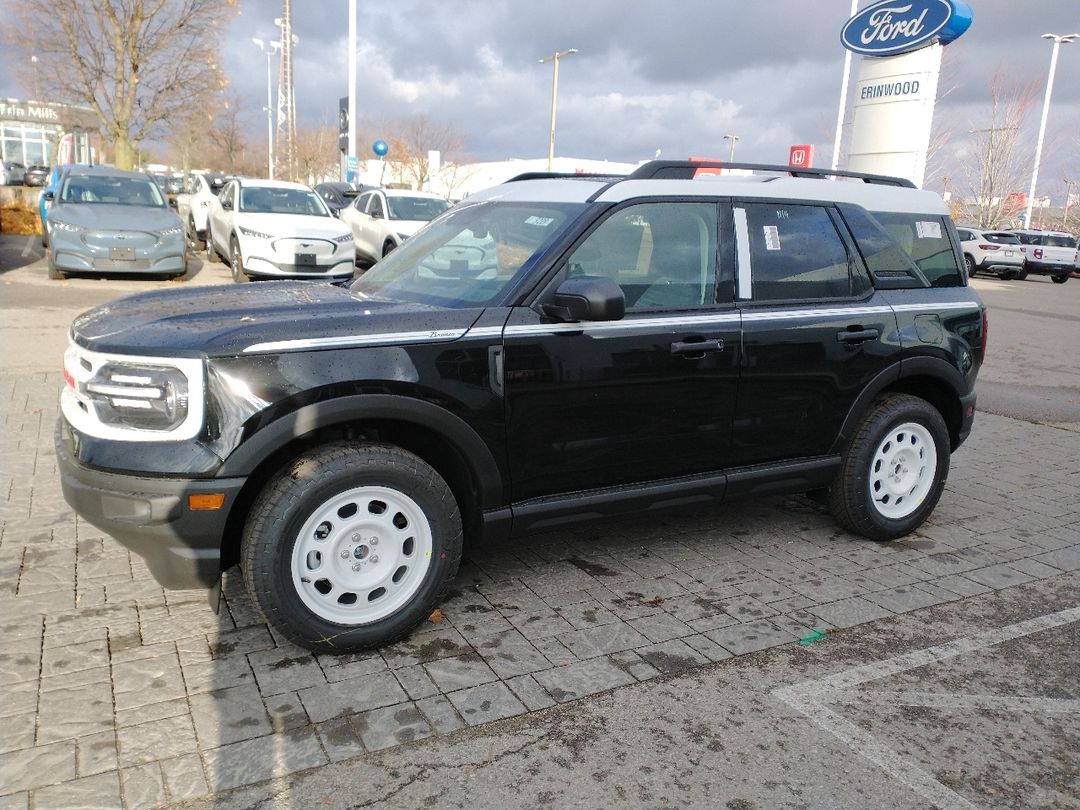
{"points": [[226, 320], [103, 216], [296, 225]]}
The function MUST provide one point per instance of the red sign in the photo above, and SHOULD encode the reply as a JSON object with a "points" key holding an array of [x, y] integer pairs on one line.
{"points": [[801, 156], [706, 170]]}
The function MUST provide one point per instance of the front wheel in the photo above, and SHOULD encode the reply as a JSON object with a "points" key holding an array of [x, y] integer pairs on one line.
{"points": [[351, 546], [1060, 279], [893, 471], [237, 262], [388, 248], [193, 236]]}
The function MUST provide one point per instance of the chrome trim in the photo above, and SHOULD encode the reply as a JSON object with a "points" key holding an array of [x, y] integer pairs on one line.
{"points": [[931, 307], [350, 341], [743, 273]]}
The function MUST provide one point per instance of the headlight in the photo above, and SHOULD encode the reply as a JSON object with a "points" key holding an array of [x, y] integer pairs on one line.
{"points": [[343, 239], [139, 396], [65, 226], [171, 231], [255, 234]]}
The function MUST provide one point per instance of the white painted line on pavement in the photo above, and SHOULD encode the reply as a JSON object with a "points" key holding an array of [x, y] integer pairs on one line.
{"points": [[810, 698], [935, 700]]}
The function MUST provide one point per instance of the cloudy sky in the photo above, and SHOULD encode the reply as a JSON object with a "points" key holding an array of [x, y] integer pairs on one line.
{"points": [[674, 75]]}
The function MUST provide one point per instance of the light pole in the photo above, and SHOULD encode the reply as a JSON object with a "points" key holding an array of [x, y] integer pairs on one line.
{"points": [[1058, 39], [843, 97], [731, 149], [269, 51], [554, 59]]}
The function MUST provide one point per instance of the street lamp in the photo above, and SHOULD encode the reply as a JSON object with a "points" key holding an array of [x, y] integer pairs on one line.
{"points": [[269, 51], [554, 59], [731, 150], [1058, 39]]}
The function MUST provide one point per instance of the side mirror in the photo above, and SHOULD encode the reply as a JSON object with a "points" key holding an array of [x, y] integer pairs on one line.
{"points": [[226, 205], [172, 203], [50, 196], [587, 298]]}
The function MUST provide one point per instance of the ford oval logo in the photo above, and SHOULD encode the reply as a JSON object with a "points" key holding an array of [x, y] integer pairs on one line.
{"points": [[893, 27]]}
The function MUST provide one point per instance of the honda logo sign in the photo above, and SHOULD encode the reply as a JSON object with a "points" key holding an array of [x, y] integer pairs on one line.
{"points": [[801, 156]]}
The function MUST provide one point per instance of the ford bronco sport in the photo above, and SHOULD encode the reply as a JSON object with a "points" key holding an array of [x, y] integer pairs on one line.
{"points": [[551, 350]]}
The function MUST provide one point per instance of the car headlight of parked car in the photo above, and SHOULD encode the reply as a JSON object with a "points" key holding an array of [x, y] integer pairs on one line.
{"points": [[253, 233], [348, 237], [65, 226], [145, 397]]}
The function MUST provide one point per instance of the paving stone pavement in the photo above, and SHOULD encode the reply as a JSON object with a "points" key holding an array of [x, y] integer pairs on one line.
{"points": [[118, 693]]}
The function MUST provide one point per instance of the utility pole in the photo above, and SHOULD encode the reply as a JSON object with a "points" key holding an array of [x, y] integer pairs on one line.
{"points": [[731, 149], [286, 123], [554, 59]]}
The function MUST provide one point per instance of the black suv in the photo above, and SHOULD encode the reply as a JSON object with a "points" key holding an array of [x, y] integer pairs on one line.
{"points": [[551, 350]]}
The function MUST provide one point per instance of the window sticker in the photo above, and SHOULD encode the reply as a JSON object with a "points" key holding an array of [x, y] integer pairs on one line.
{"points": [[543, 222], [772, 237], [928, 230]]}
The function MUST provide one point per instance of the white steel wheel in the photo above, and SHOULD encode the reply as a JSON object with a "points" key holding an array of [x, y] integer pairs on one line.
{"points": [[362, 555], [902, 471]]}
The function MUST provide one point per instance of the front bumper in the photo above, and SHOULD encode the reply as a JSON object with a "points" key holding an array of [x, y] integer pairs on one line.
{"points": [[150, 516]]}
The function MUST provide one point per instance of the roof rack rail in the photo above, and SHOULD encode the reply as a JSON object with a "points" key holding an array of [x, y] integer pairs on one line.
{"points": [[561, 175], [685, 170]]}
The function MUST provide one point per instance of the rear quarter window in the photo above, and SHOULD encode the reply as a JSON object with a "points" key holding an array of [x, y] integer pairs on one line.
{"points": [[925, 238]]}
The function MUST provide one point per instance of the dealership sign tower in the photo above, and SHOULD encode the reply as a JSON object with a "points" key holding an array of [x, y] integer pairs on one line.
{"points": [[901, 42]]}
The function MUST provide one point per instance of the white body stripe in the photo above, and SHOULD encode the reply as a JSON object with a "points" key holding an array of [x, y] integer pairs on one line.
{"points": [[598, 327]]}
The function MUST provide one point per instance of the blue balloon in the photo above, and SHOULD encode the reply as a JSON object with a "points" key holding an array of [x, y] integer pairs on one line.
{"points": [[380, 148]]}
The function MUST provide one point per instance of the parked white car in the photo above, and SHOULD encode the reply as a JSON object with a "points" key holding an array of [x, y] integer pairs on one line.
{"points": [[1050, 253], [384, 218], [991, 251], [274, 229], [193, 204]]}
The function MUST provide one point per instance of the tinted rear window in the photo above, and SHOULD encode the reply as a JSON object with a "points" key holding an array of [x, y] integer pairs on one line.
{"points": [[925, 238], [1002, 238]]}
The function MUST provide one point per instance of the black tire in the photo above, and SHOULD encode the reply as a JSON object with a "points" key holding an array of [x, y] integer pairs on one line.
{"points": [[851, 500], [1060, 279], [388, 248], [193, 236], [1021, 274], [236, 262], [304, 488], [969, 263], [54, 273], [212, 255], [1010, 275]]}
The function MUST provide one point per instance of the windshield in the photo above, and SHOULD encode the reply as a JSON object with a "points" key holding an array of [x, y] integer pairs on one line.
{"points": [[261, 200], [469, 257], [421, 209], [87, 188]]}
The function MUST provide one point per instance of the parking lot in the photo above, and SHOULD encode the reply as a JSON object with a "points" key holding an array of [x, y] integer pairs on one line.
{"points": [[651, 662]]}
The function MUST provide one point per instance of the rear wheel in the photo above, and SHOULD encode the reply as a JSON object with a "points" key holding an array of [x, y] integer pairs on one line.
{"points": [[1060, 279], [893, 471], [971, 268], [351, 546]]}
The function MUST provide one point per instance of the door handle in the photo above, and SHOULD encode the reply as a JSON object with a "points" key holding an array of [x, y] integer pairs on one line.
{"points": [[697, 346], [858, 335]]}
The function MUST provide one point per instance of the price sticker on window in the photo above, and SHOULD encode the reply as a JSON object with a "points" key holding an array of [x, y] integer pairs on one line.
{"points": [[772, 237]]}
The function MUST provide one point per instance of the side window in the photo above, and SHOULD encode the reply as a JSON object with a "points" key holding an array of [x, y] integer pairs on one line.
{"points": [[663, 255], [376, 207], [360, 203], [965, 236], [925, 238], [796, 252]]}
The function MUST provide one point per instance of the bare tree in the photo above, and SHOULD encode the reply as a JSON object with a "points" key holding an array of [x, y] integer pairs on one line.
{"points": [[316, 155], [134, 62], [998, 164], [228, 146], [413, 138]]}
